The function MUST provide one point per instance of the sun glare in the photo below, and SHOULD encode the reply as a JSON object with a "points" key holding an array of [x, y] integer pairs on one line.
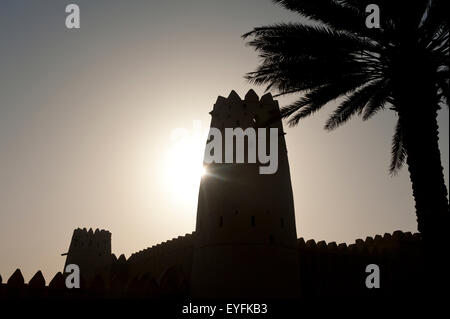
{"points": [[183, 169]]}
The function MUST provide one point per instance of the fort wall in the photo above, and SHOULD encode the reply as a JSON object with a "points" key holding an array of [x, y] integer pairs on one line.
{"points": [[326, 270], [157, 259]]}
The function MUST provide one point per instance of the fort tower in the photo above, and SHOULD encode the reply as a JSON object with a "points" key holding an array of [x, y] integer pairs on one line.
{"points": [[90, 250], [245, 244]]}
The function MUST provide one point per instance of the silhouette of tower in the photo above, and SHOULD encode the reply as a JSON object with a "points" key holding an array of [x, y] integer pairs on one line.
{"points": [[245, 244], [89, 250]]}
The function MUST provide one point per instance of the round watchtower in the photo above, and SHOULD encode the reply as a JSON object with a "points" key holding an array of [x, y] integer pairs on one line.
{"points": [[245, 243]]}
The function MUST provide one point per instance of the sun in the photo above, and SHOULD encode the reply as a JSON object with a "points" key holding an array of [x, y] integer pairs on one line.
{"points": [[183, 169]]}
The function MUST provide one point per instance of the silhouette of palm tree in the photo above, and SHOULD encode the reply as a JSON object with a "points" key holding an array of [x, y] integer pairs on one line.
{"points": [[403, 65]]}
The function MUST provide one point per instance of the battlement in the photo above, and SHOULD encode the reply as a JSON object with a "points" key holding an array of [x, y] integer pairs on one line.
{"points": [[330, 269], [370, 246], [90, 232], [164, 248], [84, 240], [249, 112]]}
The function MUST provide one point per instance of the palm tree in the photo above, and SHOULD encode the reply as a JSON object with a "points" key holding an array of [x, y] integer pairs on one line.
{"points": [[403, 65]]}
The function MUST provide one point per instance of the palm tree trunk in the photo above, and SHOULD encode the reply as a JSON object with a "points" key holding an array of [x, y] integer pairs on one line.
{"points": [[417, 104], [420, 136]]}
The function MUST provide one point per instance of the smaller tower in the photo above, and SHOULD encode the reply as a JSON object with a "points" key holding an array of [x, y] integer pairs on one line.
{"points": [[89, 250]]}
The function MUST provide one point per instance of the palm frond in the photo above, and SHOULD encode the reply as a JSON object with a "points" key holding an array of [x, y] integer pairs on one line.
{"points": [[398, 151], [436, 16], [297, 57], [310, 38], [314, 100], [329, 12], [303, 75], [378, 101], [352, 105]]}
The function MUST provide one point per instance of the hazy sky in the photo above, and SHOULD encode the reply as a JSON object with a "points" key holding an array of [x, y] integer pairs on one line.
{"points": [[86, 118]]}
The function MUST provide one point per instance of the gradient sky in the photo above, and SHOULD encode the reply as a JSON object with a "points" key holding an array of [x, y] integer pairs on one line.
{"points": [[86, 118]]}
